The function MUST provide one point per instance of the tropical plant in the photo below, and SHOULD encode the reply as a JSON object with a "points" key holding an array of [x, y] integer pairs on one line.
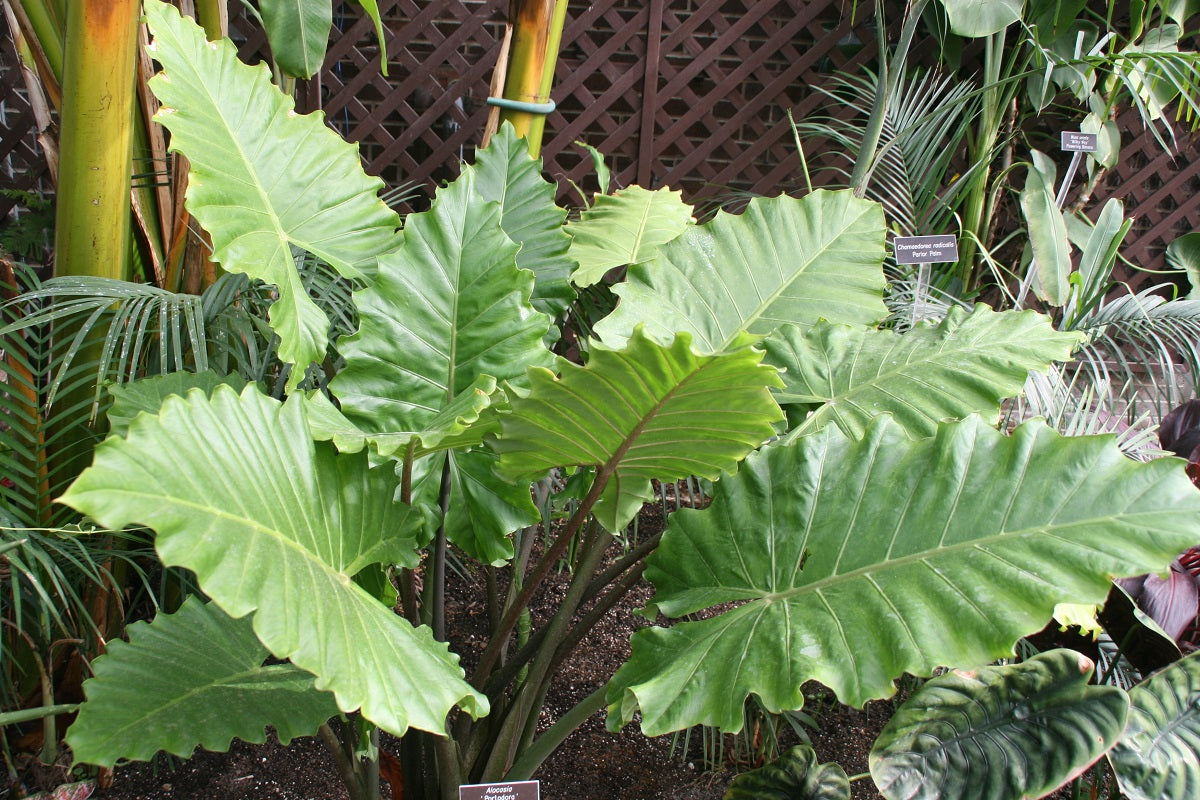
{"points": [[939, 541]]}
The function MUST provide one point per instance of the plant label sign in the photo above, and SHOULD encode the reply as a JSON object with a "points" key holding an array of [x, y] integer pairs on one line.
{"points": [[1077, 142], [514, 790], [925, 249]]}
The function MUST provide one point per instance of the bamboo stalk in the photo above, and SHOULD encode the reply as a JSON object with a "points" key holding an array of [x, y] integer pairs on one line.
{"points": [[536, 35], [92, 224]]}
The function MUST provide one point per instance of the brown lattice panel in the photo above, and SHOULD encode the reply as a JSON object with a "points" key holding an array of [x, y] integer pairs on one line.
{"points": [[1161, 192], [22, 167], [687, 93]]}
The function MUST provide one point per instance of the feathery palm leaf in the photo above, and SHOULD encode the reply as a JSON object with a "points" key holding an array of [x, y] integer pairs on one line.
{"points": [[1139, 333], [48, 579], [1071, 402], [135, 319], [913, 297], [1151, 76], [924, 122]]}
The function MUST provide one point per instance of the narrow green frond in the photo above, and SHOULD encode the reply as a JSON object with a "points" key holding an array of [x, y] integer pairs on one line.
{"points": [[1146, 338]]}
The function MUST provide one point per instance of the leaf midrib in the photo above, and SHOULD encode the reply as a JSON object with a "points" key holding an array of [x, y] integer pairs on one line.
{"points": [[880, 566], [797, 273]]}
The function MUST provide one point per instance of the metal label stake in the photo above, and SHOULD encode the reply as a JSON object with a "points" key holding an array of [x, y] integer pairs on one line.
{"points": [[923, 251]]}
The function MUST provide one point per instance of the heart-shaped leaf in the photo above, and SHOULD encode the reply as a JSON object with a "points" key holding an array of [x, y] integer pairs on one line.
{"points": [[939, 552], [238, 492]]}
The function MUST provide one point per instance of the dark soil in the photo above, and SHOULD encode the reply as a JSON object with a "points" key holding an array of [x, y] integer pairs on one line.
{"points": [[591, 763]]}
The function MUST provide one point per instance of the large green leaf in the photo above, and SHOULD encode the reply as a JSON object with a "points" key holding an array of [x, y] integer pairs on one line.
{"points": [[853, 562], [626, 227], [967, 364], [783, 260], [191, 679], [238, 492], [981, 17], [298, 31], [446, 319], [644, 412], [505, 173], [1020, 730], [1158, 757], [795, 775], [1047, 231], [265, 179], [447, 307], [147, 395]]}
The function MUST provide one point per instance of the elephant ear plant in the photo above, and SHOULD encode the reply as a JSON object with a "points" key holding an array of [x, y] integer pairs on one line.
{"points": [[897, 531]]}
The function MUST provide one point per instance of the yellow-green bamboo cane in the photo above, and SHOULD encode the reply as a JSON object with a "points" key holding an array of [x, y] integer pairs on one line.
{"points": [[537, 34], [92, 223], [213, 16]]}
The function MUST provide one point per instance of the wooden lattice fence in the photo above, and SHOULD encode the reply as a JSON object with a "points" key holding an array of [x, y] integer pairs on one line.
{"points": [[687, 93], [22, 164]]}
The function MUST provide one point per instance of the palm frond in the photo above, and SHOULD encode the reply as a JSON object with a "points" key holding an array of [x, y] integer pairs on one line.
{"points": [[1144, 340], [1072, 403], [142, 328], [925, 121], [912, 298], [1148, 76], [50, 580], [241, 342]]}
